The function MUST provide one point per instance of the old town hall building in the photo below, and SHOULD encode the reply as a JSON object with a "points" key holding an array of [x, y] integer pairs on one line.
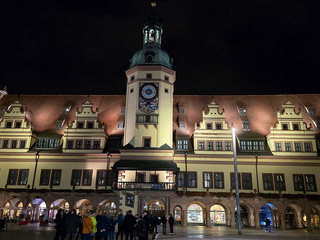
{"points": [[153, 150]]}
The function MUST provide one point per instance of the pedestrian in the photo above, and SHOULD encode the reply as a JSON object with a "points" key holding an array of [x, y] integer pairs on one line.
{"points": [[268, 223], [142, 229], [113, 222], [94, 221], [147, 220], [103, 227], [71, 224], [60, 232], [171, 221], [128, 225], [87, 227], [120, 225], [164, 224], [158, 222], [79, 231]]}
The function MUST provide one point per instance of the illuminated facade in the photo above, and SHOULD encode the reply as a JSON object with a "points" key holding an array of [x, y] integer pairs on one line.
{"points": [[166, 153]]}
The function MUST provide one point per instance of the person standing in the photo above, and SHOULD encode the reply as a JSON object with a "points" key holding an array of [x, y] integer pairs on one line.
{"points": [[142, 229], [164, 224], [171, 221], [79, 232], [158, 222], [113, 223], [120, 224], [87, 227], [103, 227], [128, 225], [94, 221], [59, 225], [71, 224], [268, 223]]}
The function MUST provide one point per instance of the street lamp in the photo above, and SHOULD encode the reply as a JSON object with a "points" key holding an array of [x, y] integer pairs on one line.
{"points": [[35, 168], [236, 179]]}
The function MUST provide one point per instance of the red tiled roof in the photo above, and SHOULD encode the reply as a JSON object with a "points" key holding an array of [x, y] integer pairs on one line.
{"points": [[261, 110]]}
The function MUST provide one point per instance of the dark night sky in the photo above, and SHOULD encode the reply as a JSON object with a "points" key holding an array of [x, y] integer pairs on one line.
{"points": [[218, 46]]}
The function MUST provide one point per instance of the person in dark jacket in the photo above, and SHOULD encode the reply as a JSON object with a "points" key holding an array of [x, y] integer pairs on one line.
{"points": [[59, 225], [171, 221], [164, 224], [142, 229], [147, 220], [113, 223], [103, 227], [128, 225], [120, 224], [71, 224]]}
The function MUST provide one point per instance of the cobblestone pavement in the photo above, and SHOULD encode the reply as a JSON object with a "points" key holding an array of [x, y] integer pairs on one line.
{"points": [[34, 232]]}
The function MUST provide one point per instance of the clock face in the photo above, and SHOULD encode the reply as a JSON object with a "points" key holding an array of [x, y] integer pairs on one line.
{"points": [[148, 99], [148, 92]]}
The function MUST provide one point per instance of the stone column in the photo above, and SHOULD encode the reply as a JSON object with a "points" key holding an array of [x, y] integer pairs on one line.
{"points": [[208, 218], [257, 218], [184, 221], [309, 227], [282, 218], [232, 219]]}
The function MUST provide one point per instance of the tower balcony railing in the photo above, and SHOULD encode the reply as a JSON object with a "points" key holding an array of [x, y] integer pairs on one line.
{"points": [[160, 186]]}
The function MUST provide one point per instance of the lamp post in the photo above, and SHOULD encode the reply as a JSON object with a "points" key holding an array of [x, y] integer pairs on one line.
{"points": [[108, 163], [35, 168], [236, 179]]}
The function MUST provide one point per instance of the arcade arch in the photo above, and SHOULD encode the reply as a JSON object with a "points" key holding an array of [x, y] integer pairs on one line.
{"points": [[195, 214], [107, 206]]}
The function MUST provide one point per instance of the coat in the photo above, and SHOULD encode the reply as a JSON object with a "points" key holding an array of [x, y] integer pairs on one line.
{"points": [[94, 222], [71, 223], [103, 226], [87, 225], [129, 222]]}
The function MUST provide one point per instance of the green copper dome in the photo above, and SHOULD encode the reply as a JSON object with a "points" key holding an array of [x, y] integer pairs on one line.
{"points": [[151, 52]]}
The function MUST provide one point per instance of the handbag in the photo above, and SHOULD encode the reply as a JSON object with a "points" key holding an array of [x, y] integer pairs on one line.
{"points": [[116, 228]]}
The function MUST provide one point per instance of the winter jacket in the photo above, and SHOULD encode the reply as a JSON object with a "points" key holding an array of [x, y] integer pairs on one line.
{"points": [[87, 225], [103, 226], [94, 222], [71, 223]]}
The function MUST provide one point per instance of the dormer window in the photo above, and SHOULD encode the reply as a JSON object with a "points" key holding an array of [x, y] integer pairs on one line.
{"points": [[90, 125], [285, 126], [8, 124], [311, 111], [295, 126], [246, 126], [241, 111], [182, 125], [18, 125], [80, 125], [209, 125], [123, 111], [218, 126], [120, 125]]}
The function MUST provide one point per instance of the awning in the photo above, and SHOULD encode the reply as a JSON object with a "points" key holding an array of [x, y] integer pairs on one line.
{"points": [[149, 165]]}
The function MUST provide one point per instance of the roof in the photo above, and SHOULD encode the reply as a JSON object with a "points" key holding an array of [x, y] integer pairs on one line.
{"points": [[261, 110]]}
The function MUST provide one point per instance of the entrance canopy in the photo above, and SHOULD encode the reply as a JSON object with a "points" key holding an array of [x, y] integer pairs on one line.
{"points": [[148, 165]]}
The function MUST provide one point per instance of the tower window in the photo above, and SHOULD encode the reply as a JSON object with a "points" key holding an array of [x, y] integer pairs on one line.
{"points": [[132, 77], [149, 75], [147, 142], [166, 78]]}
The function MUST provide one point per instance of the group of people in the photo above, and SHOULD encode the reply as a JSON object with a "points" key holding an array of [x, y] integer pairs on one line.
{"points": [[142, 226], [71, 226]]}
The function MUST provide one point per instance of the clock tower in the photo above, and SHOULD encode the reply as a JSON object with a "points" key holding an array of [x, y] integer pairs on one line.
{"points": [[150, 85]]}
